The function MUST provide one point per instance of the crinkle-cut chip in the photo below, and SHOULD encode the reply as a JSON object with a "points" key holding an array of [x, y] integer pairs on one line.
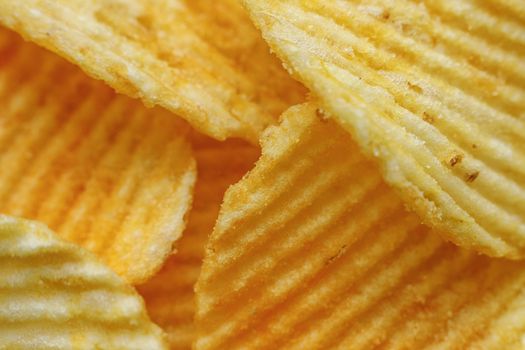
{"points": [[57, 295], [203, 60], [312, 250], [434, 90], [169, 296], [98, 168]]}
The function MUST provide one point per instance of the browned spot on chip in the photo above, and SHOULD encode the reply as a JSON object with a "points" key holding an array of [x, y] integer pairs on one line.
{"points": [[455, 160], [428, 118], [472, 176], [415, 87]]}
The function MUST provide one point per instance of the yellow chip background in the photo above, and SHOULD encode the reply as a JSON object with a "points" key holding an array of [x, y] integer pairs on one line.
{"points": [[98, 168], [201, 59], [169, 296], [312, 250], [56, 295], [435, 90]]}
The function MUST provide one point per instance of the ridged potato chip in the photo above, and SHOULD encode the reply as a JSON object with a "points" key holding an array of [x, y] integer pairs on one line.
{"points": [[201, 59], [98, 168], [312, 250], [169, 296], [57, 295], [435, 90]]}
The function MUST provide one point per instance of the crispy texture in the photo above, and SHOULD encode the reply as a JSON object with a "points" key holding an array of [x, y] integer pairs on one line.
{"points": [[98, 168], [169, 296], [201, 59], [312, 250], [434, 91], [57, 295]]}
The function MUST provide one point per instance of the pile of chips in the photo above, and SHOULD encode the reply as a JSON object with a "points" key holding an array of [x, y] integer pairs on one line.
{"points": [[262, 174]]}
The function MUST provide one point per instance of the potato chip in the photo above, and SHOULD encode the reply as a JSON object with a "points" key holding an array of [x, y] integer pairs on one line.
{"points": [[169, 295], [202, 60], [98, 168], [57, 295], [435, 90], [312, 250]]}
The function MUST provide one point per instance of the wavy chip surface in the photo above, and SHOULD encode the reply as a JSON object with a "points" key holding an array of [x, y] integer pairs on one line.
{"points": [[201, 59], [312, 250], [169, 296], [56, 295], [435, 90], [96, 167]]}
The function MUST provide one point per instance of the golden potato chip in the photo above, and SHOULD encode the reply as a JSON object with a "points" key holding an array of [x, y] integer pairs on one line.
{"points": [[312, 250], [169, 296], [434, 90], [201, 59], [98, 168], [57, 295]]}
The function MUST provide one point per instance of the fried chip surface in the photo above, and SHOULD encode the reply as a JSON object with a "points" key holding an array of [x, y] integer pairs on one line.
{"points": [[169, 296], [312, 250], [435, 90], [98, 168], [57, 295], [201, 59]]}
